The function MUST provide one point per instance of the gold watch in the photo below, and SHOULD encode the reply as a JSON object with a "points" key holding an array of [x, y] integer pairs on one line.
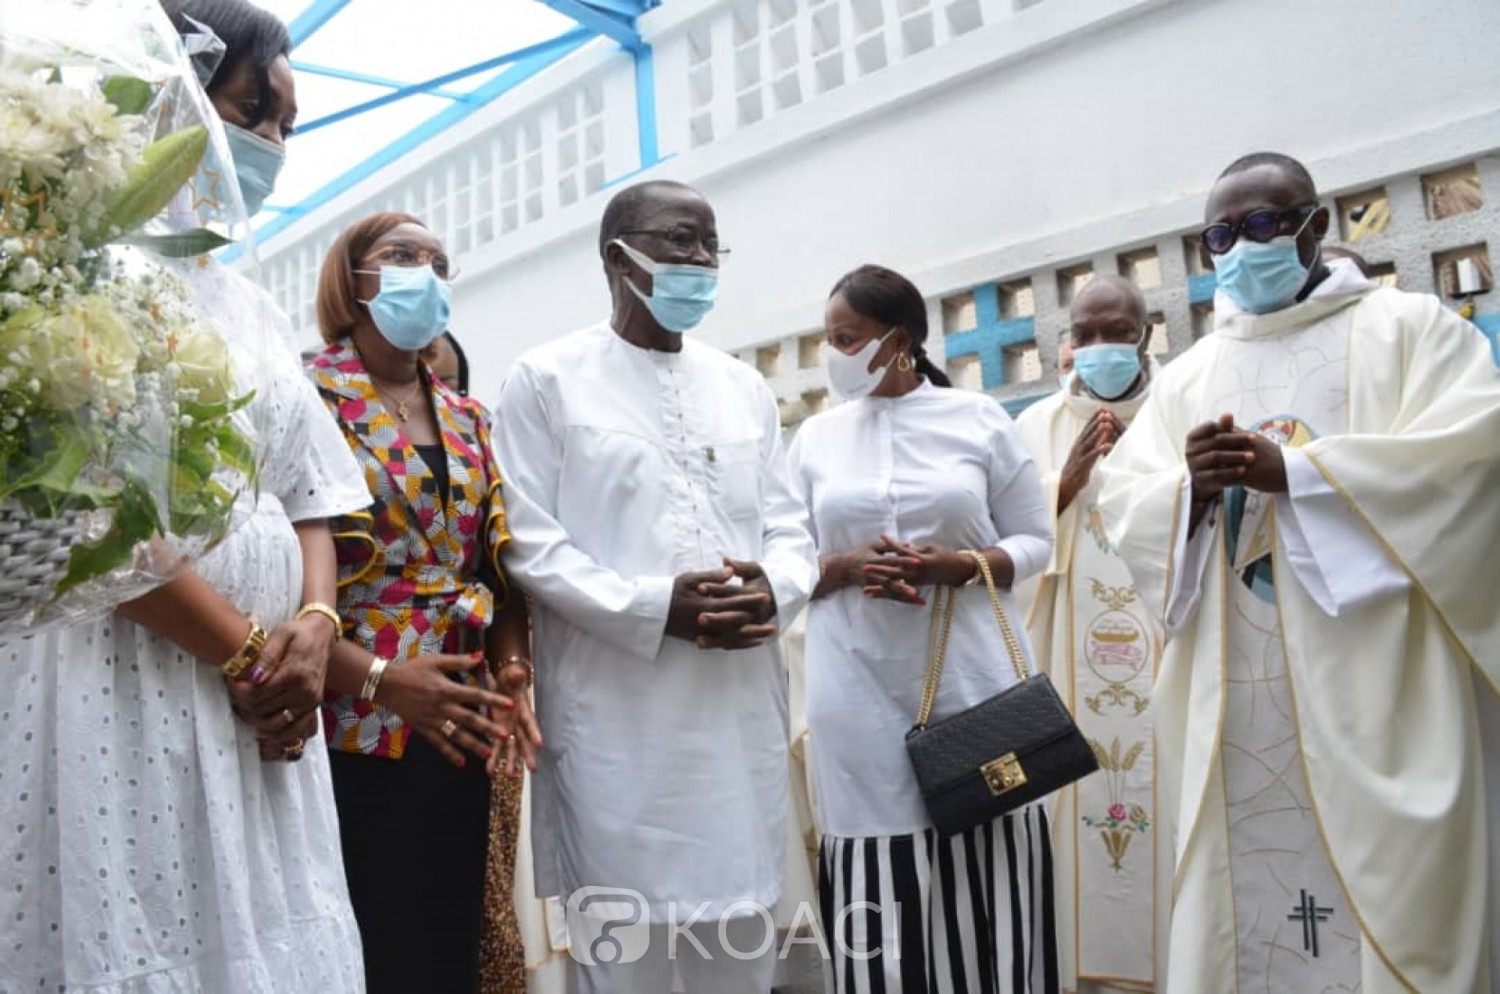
{"points": [[249, 653]]}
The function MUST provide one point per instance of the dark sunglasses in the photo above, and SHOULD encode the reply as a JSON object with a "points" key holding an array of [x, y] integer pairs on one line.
{"points": [[1258, 226]]}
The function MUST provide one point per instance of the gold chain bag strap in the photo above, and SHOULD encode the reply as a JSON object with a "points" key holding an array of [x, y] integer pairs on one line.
{"points": [[1002, 753]]}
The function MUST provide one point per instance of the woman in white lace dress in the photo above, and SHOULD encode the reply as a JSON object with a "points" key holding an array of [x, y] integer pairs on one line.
{"points": [[145, 844]]}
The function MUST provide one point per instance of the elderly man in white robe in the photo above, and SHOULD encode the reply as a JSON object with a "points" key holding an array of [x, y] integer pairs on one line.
{"points": [[1308, 498], [653, 528], [1101, 645]]}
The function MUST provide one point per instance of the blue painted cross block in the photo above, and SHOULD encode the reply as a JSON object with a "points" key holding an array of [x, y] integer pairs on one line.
{"points": [[990, 336]]}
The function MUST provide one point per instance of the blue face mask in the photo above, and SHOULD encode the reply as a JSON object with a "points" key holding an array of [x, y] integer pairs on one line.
{"points": [[412, 306], [1263, 276], [257, 163], [1108, 370], [681, 296]]}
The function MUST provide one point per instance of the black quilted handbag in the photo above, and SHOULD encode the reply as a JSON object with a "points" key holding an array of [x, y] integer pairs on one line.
{"points": [[1019, 745]]}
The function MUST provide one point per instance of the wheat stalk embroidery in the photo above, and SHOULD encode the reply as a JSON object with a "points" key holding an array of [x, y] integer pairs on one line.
{"points": [[1120, 822]]}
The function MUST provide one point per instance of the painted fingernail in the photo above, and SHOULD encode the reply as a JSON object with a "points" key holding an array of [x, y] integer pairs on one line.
{"points": [[258, 676], [476, 656], [462, 762]]}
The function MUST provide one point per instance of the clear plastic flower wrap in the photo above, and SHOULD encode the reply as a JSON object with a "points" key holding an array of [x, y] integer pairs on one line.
{"points": [[128, 437]]}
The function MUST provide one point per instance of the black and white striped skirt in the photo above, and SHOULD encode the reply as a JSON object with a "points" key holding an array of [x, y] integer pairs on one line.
{"points": [[920, 914]]}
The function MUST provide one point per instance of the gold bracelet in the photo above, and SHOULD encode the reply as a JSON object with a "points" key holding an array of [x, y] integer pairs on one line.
{"points": [[318, 607], [249, 653], [525, 664], [372, 678]]}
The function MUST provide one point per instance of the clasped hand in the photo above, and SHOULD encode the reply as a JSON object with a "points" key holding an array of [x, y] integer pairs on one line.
{"points": [[286, 681], [1096, 441], [712, 611], [1221, 455], [895, 570], [521, 732]]}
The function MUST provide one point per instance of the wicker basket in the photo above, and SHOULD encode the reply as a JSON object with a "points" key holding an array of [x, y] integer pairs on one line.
{"points": [[33, 557]]}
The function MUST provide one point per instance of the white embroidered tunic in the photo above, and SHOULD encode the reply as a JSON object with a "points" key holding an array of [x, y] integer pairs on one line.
{"points": [[665, 768]]}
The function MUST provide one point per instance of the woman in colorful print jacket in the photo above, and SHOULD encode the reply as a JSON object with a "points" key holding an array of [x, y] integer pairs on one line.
{"points": [[428, 690]]}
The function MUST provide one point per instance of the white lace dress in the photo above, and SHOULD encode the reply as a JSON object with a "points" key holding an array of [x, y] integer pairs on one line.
{"points": [[144, 846]]}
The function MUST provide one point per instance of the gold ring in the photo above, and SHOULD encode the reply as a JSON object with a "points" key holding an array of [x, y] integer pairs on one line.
{"points": [[293, 749], [448, 728], [291, 719]]}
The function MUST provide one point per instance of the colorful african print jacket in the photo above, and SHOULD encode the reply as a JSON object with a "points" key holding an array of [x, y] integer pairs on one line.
{"points": [[417, 570]]}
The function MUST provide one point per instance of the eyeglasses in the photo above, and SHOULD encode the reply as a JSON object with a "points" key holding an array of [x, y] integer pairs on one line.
{"points": [[410, 256], [683, 240], [1258, 226]]}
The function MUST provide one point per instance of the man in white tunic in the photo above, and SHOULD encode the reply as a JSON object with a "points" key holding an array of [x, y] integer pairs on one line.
{"points": [[653, 527], [1101, 646], [1308, 498]]}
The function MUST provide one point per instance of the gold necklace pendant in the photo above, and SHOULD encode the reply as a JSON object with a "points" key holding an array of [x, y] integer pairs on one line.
{"points": [[402, 411]]}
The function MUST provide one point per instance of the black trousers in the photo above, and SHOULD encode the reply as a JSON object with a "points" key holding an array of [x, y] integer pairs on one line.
{"points": [[415, 834]]}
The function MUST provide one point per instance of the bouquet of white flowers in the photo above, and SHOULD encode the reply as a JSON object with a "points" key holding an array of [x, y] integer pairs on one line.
{"points": [[123, 440]]}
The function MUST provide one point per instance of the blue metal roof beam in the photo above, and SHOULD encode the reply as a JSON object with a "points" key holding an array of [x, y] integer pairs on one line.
{"points": [[523, 70], [316, 14], [564, 43], [645, 106], [366, 78], [602, 18], [630, 9]]}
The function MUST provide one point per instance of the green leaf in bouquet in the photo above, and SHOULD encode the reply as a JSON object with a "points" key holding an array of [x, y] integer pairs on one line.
{"points": [[203, 512], [195, 462], [181, 244], [56, 464], [65, 464], [235, 451], [129, 94], [165, 166], [202, 413], [134, 521]]}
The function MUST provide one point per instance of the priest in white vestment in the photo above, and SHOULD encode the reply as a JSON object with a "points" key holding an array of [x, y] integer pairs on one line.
{"points": [[1101, 645], [653, 528], [1307, 497]]}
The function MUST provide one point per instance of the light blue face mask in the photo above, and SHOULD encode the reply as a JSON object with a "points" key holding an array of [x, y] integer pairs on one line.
{"points": [[1108, 369], [412, 306], [1263, 276], [257, 163], [681, 296]]}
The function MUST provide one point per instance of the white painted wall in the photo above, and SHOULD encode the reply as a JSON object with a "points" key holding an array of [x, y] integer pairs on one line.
{"points": [[1003, 151]]}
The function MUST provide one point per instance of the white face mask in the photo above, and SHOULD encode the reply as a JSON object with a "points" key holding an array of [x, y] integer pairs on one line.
{"points": [[851, 376]]}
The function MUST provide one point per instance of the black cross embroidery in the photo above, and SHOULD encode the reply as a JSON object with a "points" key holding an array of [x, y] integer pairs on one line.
{"points": [[1309, 914]]}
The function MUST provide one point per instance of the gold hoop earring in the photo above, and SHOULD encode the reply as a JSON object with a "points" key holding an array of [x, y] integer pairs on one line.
{"points": [[904, 363]]}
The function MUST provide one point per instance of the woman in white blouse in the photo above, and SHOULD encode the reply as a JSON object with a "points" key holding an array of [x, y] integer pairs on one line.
{"points": [[897, 482]]}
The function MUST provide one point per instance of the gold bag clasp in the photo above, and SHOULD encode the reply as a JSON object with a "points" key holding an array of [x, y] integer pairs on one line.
{"points": [[1003, 775]]}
